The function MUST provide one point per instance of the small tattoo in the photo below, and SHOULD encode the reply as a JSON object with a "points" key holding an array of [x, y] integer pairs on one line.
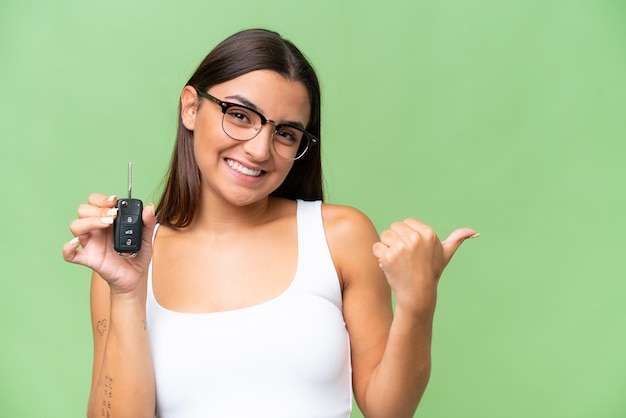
{"points": [[108, 395], [101, 326]]}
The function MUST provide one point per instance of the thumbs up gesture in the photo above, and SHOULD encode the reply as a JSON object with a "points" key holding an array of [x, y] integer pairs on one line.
{"points": [[413, 259]]}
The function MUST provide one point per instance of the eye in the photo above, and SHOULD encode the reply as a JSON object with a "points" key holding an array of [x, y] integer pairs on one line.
{"points": [[239, 116], [288, 135]]}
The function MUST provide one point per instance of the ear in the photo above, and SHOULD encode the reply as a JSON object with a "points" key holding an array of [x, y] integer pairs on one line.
{"points": [[189, 107]]}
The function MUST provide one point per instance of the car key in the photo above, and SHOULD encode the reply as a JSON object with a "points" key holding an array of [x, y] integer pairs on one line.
{"points": [[128, 225]]}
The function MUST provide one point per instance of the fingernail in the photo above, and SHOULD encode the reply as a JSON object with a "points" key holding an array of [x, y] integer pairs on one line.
{"points": [[107, 220], [112, 212], [112, 198], [152, 209], [476, 235], [74, 241]]}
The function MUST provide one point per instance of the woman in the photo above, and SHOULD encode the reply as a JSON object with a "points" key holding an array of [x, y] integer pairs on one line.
{"points": [[249, 296]]}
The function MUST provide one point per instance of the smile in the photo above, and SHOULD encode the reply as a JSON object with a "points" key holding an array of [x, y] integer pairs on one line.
{"points": [[242, 169]]}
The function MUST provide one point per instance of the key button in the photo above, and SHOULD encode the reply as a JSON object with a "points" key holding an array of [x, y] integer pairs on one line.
{"points": [[128, 242], [129, 219]]}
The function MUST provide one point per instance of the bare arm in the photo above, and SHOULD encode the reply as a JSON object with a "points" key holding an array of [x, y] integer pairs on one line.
{"points": [[123, 379], [391, 354]]}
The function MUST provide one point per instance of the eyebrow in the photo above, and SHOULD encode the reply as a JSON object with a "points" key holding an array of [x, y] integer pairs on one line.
{"points": [[251, 105]]}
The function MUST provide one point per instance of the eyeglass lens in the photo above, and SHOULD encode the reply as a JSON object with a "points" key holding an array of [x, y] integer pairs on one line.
{"points": [[243, 124]]}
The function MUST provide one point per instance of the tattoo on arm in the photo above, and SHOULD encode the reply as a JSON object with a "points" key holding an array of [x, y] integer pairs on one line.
{"points": [[101, 326], [108, 396]]}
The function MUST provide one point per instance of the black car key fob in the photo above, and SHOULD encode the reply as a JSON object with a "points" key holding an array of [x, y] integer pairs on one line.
{"points": [[128, 225]]}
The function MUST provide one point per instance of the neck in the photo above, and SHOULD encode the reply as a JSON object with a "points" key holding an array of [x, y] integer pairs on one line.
{"points": [[218, 217]]}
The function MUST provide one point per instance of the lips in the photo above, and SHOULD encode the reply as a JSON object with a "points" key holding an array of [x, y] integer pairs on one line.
{"points": [[240, 168]]}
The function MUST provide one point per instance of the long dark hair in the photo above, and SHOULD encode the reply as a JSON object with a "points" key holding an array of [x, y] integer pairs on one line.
{"points": [[239, 54]]}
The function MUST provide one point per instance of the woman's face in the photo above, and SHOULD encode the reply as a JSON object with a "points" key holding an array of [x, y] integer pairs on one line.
{"points": [[243, 172]]}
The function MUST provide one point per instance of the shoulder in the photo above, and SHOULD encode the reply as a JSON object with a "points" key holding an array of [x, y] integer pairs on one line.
{"points": [[346, 223], [350, 235]]}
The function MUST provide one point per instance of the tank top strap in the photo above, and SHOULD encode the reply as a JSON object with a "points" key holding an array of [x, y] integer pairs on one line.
{"points": [[156, 228], [151, 299], [316, 270]]}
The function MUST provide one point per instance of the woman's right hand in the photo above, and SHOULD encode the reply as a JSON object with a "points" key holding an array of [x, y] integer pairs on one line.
{"points": [[94, 233]]}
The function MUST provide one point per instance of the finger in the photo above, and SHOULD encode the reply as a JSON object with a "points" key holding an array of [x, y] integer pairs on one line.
{"points": [[454, 241], [148, 216], [425, 231], [392, 238], [85, 225], [415, 223], [101, 200], [380, 250], [70, 250], [403, 230], [149, 221], [382, 254], [394, 242], [407, 234], [416, 233], [89, 211]]}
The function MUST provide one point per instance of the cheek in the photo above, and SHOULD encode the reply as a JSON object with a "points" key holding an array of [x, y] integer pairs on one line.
{"points": [[208, 137], [286, 168]]}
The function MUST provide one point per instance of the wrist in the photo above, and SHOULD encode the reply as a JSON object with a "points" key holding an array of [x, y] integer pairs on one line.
{"points": [[126, 297], [419, 314], [419, 304], [128, 288]]}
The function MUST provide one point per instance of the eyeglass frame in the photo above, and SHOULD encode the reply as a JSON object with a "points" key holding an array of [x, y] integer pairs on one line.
{"points": [[224, 105]]}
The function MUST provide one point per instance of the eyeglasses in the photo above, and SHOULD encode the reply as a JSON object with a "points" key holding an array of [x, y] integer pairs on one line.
{"points": [[244, 123]]}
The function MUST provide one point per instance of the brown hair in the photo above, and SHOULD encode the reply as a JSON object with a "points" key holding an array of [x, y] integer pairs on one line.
{"points": [[239, 54]]}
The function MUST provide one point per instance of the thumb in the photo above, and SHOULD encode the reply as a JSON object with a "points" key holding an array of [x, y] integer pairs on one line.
{"points": [[148, 216], [454, 241], [149, 222]]}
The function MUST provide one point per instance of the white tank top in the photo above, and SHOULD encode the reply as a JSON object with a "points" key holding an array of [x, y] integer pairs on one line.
{"points": [[287, 357]]}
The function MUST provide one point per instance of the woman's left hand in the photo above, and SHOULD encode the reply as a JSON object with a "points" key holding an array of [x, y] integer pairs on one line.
{"points": [[413, 259]]}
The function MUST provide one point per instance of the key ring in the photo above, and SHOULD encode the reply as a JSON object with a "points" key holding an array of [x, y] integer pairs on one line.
{"points": [[127, 255]]}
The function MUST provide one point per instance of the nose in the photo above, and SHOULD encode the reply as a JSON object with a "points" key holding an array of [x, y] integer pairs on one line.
{"points": [[259, 147]]}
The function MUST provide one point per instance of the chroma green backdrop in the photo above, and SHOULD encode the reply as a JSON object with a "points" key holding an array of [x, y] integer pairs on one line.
{"points": [[506, 116]]}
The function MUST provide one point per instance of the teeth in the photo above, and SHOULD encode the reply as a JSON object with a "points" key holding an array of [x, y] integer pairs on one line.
{"points": [[243, 170]]}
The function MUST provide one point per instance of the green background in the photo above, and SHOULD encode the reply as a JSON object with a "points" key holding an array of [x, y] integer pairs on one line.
{"points": [[506, 116]]}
